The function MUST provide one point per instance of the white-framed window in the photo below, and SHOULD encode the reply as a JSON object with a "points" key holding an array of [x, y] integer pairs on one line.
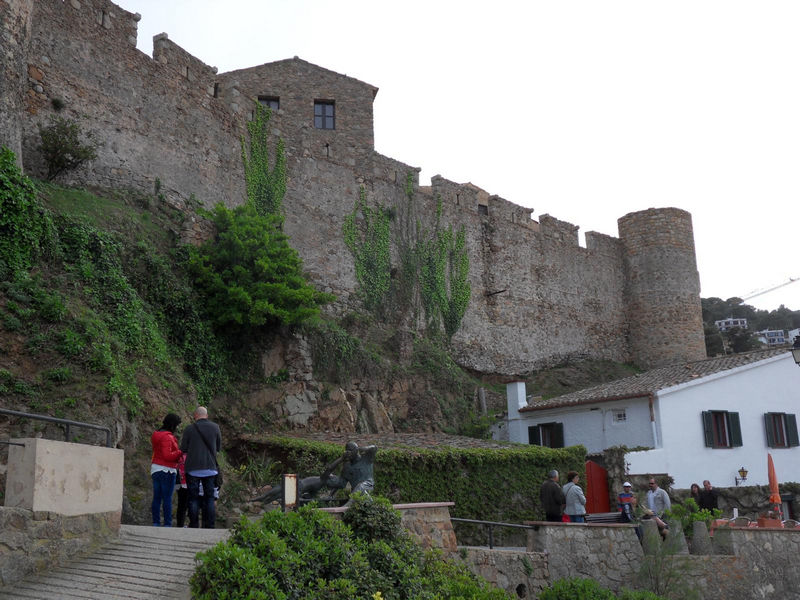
{"points": [[619, 416]]}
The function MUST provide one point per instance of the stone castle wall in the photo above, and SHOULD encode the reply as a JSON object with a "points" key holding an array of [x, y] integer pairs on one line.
{"points": [[537, 295], [156, 118]]}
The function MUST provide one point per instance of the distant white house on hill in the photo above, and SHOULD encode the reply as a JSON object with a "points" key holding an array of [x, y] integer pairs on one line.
{"points": [[773, 337], [730, 323], [700, 420]]}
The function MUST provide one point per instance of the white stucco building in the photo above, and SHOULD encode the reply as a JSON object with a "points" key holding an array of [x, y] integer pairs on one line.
{"points": [[699, 420]]}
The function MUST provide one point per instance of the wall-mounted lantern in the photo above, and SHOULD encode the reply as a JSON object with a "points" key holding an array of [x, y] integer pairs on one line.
{"points": [[742, 476]]}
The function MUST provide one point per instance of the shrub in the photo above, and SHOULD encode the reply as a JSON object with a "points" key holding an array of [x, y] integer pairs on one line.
{"points": [[372, 518], [26, 229], [62, 148], [250, 275], [310, 555], [58, 374], [688, 512], [52, 307], [576, 587]]}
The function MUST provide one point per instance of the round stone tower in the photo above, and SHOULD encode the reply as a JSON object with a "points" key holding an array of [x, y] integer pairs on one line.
{"points": [[662, 287]]}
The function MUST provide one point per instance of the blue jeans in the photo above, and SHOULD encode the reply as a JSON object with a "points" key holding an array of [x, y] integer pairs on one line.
{"points": [[206, 501], [577, 518], [163, 486]]}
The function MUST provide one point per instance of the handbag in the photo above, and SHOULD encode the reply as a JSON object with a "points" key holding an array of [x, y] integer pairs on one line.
{"points": [[218, 479], [565, 518]]}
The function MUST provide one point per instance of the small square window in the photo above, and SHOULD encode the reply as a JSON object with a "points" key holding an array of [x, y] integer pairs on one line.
{"points": [[271, 102], [324, 115], [483, 209], [619, 416]]}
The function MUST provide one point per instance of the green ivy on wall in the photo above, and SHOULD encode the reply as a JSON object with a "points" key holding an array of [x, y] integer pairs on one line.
{"points": [[265, 186], [367, 239], [492, 484], [433, 262]]}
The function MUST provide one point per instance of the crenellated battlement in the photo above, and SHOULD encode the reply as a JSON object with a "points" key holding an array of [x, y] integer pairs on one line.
{"points": [[537, 295]]}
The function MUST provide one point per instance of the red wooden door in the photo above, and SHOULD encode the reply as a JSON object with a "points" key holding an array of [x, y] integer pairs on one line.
{"points": [[596, 488]]}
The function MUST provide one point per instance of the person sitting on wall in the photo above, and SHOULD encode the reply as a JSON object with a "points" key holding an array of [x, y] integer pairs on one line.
{"points": [[626, 502], [657, 499]]}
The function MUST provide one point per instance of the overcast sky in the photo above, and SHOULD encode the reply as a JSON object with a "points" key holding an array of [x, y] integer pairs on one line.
{"points": [[585, 110]]}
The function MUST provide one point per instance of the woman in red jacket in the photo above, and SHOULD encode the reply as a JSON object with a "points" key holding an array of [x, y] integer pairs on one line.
{"points": [[163, 469]]}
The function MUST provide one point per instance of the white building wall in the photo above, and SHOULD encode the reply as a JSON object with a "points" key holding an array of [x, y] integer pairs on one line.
{"points": [[592, 424], [772, 385]]}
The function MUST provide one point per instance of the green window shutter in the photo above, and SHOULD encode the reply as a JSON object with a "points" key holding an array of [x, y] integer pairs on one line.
{"points": [[708, 428], [769, 429], [735, 433], [534, 438], [558, 435], [792, 438]]}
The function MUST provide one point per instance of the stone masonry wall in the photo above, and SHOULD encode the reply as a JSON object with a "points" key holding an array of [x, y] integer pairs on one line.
{"points": [[155, 119], [662, 286], [32, 541], [15, 25], [537, 296]]}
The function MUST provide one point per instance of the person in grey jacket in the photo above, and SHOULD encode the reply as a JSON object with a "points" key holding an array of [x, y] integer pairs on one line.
{"points": [[574, 499], [657, 499], [201, 441]]}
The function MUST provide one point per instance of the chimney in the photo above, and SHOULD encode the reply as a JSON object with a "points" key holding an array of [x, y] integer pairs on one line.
{"points": [[516, 399]]}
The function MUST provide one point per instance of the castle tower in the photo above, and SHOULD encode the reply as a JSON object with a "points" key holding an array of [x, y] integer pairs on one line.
{"points": [[662, 287], [15, 31]]}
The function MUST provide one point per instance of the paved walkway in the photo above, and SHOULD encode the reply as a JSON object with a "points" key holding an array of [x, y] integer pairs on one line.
{"points": [[144, 563]]}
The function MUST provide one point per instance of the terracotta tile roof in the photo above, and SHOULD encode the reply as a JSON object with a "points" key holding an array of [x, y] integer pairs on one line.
{"points": [[653, 381]]}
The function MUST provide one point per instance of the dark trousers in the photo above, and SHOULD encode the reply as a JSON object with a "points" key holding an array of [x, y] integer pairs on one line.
{"points": [[556, 518], [204, 502], [183, 505]]}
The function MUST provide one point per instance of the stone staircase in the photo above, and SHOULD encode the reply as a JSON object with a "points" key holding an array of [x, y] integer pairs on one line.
{"points": [[143, 563]]}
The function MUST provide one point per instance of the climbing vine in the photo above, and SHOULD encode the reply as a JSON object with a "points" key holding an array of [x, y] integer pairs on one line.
{"points": [[367, 239], [265, 186], [433, 263], [443, 275]]}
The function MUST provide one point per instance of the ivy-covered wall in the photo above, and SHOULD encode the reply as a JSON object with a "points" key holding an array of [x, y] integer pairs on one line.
{"points": [[492, 484]]}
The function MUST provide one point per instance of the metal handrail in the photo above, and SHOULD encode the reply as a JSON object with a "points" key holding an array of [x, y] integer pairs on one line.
{"points": [[66, 422], [491, 525]]}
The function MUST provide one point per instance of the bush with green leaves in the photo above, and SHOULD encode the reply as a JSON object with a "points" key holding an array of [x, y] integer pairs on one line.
{"points": [[26, 228], [310, 555], [249, 275], [588, 589], [62, 147], [688, 512]]}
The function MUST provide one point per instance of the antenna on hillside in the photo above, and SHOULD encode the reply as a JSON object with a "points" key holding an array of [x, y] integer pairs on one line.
{"points": [[769, 289]]}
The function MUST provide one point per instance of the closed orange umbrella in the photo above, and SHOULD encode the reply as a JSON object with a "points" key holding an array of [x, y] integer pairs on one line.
{"points": [[774, 493]]}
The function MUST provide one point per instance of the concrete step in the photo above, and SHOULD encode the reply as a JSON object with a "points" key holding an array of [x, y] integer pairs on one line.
{"points": [[144, 563]]}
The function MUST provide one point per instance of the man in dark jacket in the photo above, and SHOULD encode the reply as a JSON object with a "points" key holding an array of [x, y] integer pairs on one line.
{"points": [[552, 497], [201, 441], [708, 496]]}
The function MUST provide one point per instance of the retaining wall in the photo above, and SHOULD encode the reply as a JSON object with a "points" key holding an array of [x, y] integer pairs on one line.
{"points": [[36, 540]]}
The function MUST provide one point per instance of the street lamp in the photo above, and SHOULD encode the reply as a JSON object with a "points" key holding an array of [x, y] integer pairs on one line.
{"points": [[742, 476]]}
